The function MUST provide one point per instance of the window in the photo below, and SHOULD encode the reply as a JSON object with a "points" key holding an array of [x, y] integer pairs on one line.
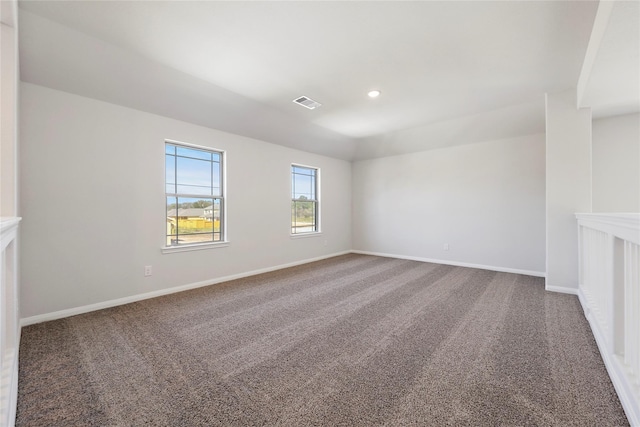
{"points": [[304, 200], [195, 198]]}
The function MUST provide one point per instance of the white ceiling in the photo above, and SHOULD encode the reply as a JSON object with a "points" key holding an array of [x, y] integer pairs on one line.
{"points": [[449, 72], [612, 83]]}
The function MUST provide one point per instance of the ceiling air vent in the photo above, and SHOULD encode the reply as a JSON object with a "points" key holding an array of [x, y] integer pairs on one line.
{"points": [[307, 102]]}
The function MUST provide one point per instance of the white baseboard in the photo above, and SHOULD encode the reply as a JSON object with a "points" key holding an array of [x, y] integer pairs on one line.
{"points": [[139, 297], [561, 289], [583, 302], [456, 263]]}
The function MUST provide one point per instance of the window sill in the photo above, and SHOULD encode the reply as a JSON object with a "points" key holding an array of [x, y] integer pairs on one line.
{"points": [[305, 235], [194, 247]]}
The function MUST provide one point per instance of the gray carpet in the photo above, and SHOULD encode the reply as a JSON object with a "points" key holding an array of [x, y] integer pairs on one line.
{"points": [[351, 340]]}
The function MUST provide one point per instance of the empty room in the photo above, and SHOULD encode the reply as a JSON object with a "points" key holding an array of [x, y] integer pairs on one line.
{"points": [[327, 213]]}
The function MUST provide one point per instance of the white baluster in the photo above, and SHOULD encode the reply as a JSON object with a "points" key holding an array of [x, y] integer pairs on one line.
{"points": [[609, 284]]}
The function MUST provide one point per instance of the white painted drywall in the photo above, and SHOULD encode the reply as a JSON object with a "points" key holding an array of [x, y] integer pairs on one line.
{"points": [[93, 203], [568, 185], [8, 118], [9, 220], [609, 81], [616, 164], [59, 57], [485, 200], [507, 122]]}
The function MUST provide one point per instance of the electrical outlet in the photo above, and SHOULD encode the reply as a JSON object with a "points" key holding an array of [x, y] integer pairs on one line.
{"points": [[446, 246], [147, 270]]}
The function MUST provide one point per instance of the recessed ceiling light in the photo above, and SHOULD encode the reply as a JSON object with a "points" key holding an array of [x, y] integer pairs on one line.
{"points": [[374, 94]]}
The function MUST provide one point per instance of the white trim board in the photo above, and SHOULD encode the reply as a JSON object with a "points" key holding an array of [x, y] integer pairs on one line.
{"points": [[561, 289], [455, 263], [139, 297]]}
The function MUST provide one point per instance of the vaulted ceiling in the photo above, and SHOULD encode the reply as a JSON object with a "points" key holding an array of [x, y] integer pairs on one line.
{"points": [[449, 72]]}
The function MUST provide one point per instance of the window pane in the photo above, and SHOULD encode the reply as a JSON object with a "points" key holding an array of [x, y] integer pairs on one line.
{"points": [[302, 170], [193, 152], [303, 187], [194, 176], [170, 174], [172, 206], [303, 217], [193, 172], [216, 190], [195, 238], [216, 216], [194, 223], [172, 220], [304, 205]]}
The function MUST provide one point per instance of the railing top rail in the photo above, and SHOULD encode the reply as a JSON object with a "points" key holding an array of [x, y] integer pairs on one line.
{"points": [[7, 223], [622, 225]]}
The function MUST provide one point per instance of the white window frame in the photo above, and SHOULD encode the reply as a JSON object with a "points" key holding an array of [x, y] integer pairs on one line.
{"points": [[223, 242], [317, 201]]}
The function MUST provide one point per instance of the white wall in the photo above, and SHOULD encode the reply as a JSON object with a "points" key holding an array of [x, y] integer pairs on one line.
{"points": [[93, 203], [485, 200], [8, 106], [568, 181], [9, 221], [616, 164], [503, 123]]}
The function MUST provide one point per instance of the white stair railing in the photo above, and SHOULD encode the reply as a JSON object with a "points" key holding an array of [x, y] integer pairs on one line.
{"points": [[9, 325], [609, 291]]}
